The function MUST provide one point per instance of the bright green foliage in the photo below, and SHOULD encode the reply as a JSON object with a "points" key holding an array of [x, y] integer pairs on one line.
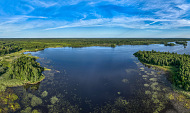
{"points": [[27, 69], [6, 48], [12, 97], [14, 106], [181, 62], [2, 69]]}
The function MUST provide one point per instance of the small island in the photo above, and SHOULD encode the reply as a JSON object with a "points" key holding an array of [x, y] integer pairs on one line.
{"points": [[23, 69], [178, 64]]}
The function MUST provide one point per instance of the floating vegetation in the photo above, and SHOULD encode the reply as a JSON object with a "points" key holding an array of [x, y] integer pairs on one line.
{"points": [[154, 94], [152, 72], [130, 70], [171, 96], [144, 76], [164, 89], [155, 101], [121, 102], [32, 86], [54, 100], [125, 81], [138, 63], [148, 73], [146, 85], [44, 94], [14, 106], [153, 79], [187, 104], [62, 106], [181, 98], [30, 100], [147, 92], [58, 105], [35, 111], [57, 71], [120, 105], [179, 101], [155, 86], [36, 101], [27, 110], [8, 102]]}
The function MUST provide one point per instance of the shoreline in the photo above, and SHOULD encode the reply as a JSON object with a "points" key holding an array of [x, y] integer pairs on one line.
{"points": [[169, 73], [169, 70]]}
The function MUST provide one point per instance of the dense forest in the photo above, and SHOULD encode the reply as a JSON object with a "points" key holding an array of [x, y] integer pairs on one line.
{"points": [[6, 48], [26, 69], [181, 78], [2, 68]]}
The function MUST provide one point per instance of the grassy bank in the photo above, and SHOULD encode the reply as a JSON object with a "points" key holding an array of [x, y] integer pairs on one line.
{"points": [[170, 70]]}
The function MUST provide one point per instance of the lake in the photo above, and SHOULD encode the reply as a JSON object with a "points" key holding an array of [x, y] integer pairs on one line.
{"points": [[98, 79]]}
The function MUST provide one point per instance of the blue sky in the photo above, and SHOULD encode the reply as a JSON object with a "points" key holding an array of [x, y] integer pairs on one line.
{"points": [[94, 19]]}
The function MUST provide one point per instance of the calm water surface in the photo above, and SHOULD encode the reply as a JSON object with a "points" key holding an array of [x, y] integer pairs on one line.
{"points": [[98, 79]]}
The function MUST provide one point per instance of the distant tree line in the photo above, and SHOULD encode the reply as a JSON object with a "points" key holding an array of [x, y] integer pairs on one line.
{"points": [[13, 45], [181, 42], [181, 62], [7, 48], [169, 44]]}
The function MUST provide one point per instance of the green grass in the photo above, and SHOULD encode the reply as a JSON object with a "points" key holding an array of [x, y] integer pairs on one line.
{"points": [[172, 70], [4, 83]]}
